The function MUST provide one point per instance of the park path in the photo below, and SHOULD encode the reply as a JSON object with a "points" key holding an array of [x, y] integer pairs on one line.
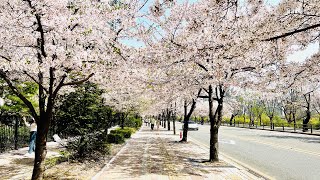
{"points": [[157, 154]]}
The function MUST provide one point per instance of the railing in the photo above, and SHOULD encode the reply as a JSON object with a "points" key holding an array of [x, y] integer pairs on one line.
{"points": [[13, 135], [297, 128]]}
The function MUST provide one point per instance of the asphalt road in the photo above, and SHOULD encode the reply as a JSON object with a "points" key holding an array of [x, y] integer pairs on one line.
{"points": [[278, 155]]}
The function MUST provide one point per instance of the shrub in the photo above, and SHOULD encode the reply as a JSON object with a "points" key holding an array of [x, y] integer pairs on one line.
{"points": [[132, 130], [126, 133], [116, 138], [133, 122], [90, 146]]}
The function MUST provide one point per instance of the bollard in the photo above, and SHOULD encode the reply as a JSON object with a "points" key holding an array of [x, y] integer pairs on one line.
{"points": [[282, 127], [311, 128], [294, 127]]}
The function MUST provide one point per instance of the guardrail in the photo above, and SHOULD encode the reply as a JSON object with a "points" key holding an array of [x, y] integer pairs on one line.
{"points": [[294, 128]]}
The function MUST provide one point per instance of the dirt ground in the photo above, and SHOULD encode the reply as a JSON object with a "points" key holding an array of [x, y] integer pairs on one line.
{"points": [[16, 165]]}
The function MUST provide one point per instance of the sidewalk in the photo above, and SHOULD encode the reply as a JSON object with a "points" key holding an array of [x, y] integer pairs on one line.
{"points": [[153, 155], [15, 165]]}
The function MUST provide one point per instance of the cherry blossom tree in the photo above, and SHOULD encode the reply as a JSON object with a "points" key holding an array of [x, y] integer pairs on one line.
{"points": [[57, 44]]}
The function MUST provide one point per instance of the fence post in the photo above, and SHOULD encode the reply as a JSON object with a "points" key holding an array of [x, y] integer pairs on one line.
{"points": [[282, 127], [238, 123], [16, 133], [311, 128], [262, 126], [294, 127], [257, 125]]}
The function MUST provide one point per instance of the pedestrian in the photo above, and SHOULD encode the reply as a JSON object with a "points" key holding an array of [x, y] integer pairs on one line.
{"points": [[152, 121], [33, 133]]}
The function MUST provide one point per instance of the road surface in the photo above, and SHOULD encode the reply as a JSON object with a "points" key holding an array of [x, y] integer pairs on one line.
{"points": [[279, 155]]}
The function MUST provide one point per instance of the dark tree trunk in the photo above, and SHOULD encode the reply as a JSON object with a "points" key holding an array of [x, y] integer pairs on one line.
{"points": [[271, 118], [308, 113], [168, 118], [41, 143], [215, 121], [186, 119], [174, 123], [231, 118], [122, 120], [40, 154], [164, 120]]}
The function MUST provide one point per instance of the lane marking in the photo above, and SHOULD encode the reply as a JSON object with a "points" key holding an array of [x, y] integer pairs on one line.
{"points": [[224, 141], [276, 145]]}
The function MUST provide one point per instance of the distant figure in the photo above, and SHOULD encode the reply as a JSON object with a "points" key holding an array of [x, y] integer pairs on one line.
{"points": [[33, 133], [152, 121]]}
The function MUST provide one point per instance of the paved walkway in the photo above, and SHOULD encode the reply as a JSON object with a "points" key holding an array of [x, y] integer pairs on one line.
{"points": [[15, 165], [154, 155]]}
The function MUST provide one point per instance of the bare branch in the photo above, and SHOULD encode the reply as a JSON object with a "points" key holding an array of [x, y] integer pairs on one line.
{"points": [[202, 66], [31, 77], [78, 82], [15, 90], [292, 32], [6, 58]]}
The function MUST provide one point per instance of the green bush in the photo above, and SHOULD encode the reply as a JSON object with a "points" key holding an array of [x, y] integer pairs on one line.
{"points": [[116, 138], [90, 146], [133, 122], [126, 131], [132, 130]]}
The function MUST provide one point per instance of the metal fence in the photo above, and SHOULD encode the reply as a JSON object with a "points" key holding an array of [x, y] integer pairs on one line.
{"points": [[296, 128], [13, 134]]}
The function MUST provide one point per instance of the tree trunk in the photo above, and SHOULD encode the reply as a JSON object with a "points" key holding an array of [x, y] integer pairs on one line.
{"points": [[214, 144], [231, 118], [41, 144], [271, 118], [186, 119], [164, 119], [122, 120], [260, 118], [174, 123], [168, 118], [215, 121], [308, 113]]}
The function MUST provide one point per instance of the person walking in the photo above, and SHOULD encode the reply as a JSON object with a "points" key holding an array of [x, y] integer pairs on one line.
{"points": [[33, 134], [152, 121]]}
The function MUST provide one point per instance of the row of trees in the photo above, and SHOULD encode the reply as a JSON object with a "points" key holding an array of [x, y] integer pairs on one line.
{"points": [[215, 50], [190, 50]]}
